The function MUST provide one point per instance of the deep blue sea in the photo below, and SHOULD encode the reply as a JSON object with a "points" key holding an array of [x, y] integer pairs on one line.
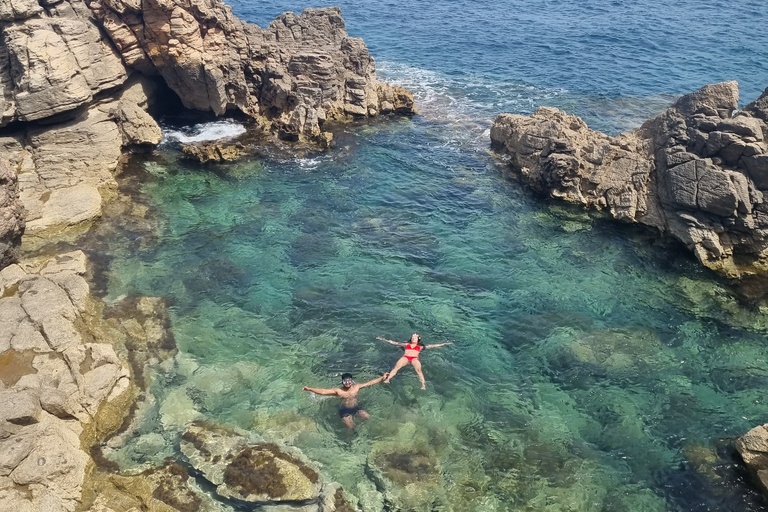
{"points": [[594, 366]]}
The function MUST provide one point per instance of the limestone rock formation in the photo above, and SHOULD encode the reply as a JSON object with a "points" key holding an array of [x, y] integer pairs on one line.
{"points": [[77, 67], [753, 447], [52, 60], [292, 76], [696, 172], [65, 171], [12, 215], [55, 381]]}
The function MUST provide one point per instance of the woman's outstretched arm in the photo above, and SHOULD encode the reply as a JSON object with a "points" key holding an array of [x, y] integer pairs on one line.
{"points": [[391, 342], [439, 345]]}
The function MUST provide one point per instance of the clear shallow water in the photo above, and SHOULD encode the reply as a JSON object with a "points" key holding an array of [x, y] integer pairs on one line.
{"points": [[593, 369]]}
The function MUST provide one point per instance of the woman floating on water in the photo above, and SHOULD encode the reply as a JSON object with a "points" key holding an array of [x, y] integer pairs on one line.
{"points": [[410, 356]]}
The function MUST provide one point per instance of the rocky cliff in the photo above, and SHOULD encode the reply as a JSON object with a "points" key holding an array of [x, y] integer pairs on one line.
{"points": [[77, 79], [697, 172]]}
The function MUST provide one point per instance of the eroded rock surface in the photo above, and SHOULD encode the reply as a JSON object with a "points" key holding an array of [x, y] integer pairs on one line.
{"points": [[64, 385], [76, 67], [12, 216], [55, 380], [696, 172], [65, 171]]}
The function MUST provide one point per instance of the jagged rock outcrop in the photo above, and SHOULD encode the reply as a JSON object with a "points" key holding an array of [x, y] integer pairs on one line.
{"points": [[12, 216], [213, 151], [293, 75], [64, 382], [696, 172]]}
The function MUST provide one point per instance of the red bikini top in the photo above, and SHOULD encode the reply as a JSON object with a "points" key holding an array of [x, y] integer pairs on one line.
{"points": [[417, 348]]}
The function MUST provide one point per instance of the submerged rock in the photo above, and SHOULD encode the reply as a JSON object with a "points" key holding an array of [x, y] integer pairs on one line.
{"points": [[214, 151], [409, 476], [696, 172], [252, 472]]}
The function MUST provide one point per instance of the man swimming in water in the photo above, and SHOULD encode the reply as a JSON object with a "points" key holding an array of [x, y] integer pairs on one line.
{"points": [[348, 394]]}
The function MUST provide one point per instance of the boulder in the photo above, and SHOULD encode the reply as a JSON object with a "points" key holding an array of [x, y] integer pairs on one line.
{"points": [[19, 407], [753, 447], [696, 172], [254, 472]]}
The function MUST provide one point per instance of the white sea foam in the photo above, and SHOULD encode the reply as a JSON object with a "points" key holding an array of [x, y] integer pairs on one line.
{"points": [[216, 130], [464, 106], [308, 163]]}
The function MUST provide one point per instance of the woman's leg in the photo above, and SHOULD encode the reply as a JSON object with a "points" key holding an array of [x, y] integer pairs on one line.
{"points": [[399, 364], [417, 366]]}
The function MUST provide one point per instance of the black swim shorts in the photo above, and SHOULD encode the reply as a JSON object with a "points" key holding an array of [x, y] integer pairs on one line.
{"points": [[350, 411]]}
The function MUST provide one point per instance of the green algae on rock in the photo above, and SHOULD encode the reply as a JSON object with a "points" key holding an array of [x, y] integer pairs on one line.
{"points": [[255, 472]]}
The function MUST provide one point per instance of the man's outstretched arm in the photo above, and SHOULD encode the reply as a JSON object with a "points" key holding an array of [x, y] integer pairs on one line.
{"points": [[321, 391], [374, 381]]}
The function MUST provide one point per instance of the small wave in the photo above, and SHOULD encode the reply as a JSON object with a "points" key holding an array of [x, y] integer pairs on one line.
{"points": [[215, 130], [308, 163], [464, 105]]}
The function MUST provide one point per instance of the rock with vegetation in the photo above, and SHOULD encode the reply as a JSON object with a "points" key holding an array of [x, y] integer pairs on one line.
{"points": [[56, 383], [65, 171], [697, 172], [12, 217], [253, 472], [214, 151], [408, 476]]}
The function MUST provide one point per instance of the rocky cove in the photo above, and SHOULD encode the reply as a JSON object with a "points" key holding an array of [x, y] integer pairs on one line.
{"points": [[81, 82]]}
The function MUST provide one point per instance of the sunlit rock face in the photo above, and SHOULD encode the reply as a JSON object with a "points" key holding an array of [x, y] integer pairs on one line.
{"points": [[696, 172], [293, 75]]}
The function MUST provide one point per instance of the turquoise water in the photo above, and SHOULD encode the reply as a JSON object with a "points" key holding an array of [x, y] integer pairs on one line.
{"points": [[594, 368]]}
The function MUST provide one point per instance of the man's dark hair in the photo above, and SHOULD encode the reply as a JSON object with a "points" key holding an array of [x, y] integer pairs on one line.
{"points": [[346, 376]]}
